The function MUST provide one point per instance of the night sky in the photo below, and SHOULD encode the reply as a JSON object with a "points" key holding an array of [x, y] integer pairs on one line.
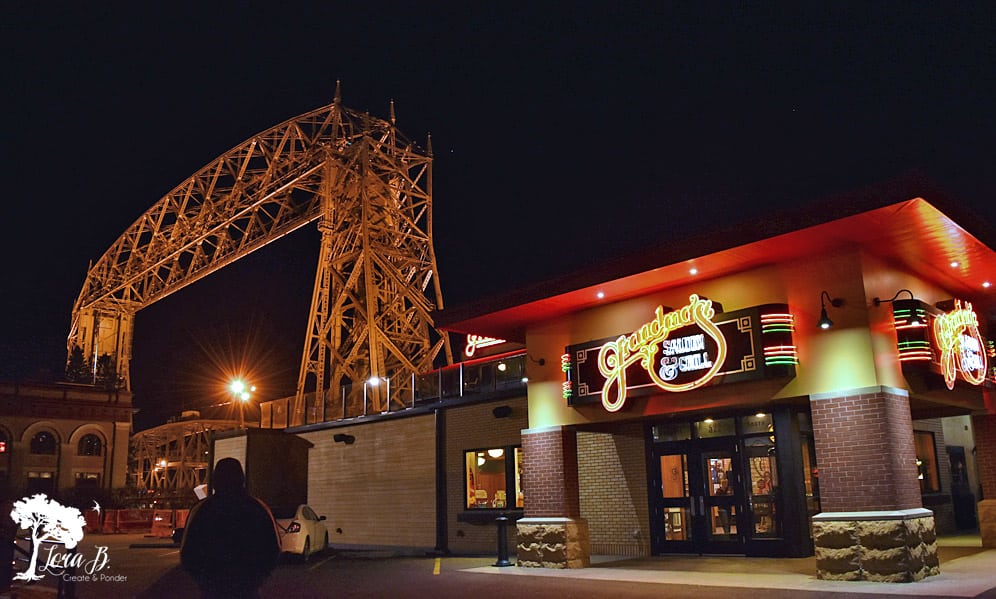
{"points": [[562, 136]]}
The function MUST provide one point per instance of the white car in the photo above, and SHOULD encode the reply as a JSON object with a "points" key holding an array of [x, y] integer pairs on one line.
{"points": [[301, 531]]}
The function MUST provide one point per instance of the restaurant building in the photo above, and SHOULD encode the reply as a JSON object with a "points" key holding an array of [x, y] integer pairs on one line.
{"points": [[779, 389]]}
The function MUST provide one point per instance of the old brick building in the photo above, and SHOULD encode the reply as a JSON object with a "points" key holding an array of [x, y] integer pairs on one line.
{"points": [[60, 437]]}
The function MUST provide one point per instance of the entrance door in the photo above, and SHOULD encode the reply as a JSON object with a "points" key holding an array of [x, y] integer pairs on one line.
{"points": [[697, 505]]}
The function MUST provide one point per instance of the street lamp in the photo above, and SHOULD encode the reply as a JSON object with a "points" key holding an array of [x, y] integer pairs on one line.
{"points": [[241, 392]]}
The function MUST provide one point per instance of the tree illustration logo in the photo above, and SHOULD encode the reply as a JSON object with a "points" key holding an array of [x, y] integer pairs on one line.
{"points": [[49, 521]]}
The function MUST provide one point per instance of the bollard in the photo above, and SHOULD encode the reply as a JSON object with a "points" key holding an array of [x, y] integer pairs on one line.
{"points": [[502, 542]]}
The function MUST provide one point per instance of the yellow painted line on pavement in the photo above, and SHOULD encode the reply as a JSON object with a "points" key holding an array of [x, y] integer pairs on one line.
{"points": [[435, 568], [324, 561]]}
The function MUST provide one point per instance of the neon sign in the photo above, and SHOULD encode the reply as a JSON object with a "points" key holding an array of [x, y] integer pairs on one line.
{"points": [[680, 354], [956, 334], [475, 342], [565, 366]]}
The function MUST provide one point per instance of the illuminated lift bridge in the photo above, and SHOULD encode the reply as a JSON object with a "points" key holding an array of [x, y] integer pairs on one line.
{"points": [[370, 191]]}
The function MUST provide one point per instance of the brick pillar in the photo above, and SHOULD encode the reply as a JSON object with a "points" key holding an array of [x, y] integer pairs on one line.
{"points": [[552, 533], [984, 429], [865, 451], [873, 525]]}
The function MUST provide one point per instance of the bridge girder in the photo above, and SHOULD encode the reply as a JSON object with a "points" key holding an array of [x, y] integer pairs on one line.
{"points": [[376, 282]]}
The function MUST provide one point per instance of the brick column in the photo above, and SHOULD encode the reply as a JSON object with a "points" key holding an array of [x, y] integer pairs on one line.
{"points": [[865, 451], [551, 534], [984, 429], [873, 525]]}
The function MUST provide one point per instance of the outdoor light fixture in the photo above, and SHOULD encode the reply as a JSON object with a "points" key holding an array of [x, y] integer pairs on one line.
{"points": [[836, 302], [903, 307], [343, 438]]}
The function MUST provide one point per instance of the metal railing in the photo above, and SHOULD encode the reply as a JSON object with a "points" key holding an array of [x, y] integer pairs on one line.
{"points": [[496, 374]]}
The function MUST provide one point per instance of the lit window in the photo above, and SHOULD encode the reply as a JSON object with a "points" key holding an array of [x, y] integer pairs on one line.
{"points": [[490, 475], [90, 445], [926, 462], [88, 480]]}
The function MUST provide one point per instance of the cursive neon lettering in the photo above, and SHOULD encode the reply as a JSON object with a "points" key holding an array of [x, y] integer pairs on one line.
{"points": [[956, 334], [614, 357]]}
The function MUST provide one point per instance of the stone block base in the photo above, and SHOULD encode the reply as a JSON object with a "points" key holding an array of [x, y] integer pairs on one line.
{"points": [[893, 546], [553, 543], [987, 522]]}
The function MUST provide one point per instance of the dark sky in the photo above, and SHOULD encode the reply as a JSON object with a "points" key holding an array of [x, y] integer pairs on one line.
{"points": [[589, 130]]}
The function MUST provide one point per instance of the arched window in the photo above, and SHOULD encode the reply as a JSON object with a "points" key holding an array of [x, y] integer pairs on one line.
{"points": [[43, 443], [90, 445]]}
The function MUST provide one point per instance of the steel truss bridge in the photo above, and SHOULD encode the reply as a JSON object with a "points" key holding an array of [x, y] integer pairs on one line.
{"points": [[370, 191]]}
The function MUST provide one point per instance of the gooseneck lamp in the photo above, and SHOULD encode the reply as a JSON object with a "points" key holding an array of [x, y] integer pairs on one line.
{"points": [[836, 302], [904, 305]]}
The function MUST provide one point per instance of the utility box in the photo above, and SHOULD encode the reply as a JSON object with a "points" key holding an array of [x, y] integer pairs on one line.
{"points": [[275, 462]]}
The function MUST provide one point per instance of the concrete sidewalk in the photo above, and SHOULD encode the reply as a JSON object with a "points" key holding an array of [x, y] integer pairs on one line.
{"points": [[966, 571]]}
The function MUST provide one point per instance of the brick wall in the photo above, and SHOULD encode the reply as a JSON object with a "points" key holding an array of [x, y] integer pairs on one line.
{"points": [[612, 473], [550, 477], [468, 428], [380, 490], [865, 452], [984, 427]]}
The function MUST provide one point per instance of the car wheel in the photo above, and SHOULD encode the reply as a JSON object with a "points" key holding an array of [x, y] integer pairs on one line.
{"points": [[306, 553]]}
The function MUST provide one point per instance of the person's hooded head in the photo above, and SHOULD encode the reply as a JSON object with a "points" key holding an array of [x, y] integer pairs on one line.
{"points": [[229, 477]]}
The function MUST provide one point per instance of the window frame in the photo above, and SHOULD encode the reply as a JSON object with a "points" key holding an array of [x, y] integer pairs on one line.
{"points": [[513, 479], [928, 470], [100, 446], [33, 444]]}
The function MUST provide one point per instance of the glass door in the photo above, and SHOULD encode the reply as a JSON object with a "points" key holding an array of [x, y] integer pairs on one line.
{"points": [[720, 497], [696, 507]]}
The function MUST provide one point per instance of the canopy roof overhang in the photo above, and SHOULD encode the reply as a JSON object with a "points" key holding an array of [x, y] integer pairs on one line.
{"points": [[907, 223]]}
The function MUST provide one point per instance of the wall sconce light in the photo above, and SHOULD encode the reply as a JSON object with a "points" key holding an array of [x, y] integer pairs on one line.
{"points": [[502, 411], [343, 438], [836, 302], [540, 362], [910, 305]]}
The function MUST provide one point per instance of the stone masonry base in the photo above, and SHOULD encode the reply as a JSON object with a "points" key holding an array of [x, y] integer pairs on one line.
{"points": [[553, 543], [889, 546], [987, 522]]}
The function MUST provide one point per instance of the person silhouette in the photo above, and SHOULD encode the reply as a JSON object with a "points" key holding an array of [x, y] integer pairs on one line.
{"points": [[230, 543]]}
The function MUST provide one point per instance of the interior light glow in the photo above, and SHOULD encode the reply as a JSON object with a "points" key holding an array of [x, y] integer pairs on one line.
{"points": [[502, 367], [600, 295], [496, 453], [708, 421], [760, 415]]}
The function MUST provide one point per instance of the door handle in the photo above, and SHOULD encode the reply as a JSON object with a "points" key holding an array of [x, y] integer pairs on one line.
{"points": [[691, 505], [701, 505]]}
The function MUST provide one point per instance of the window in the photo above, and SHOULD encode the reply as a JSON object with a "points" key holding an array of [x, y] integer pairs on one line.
{"points": [[43, 443], [926, 462], [492, 478], [87, 480], [90, 445]]}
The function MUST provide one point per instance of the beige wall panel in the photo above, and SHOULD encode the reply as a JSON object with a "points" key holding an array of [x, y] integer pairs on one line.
{"points": [[379, 490]]}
